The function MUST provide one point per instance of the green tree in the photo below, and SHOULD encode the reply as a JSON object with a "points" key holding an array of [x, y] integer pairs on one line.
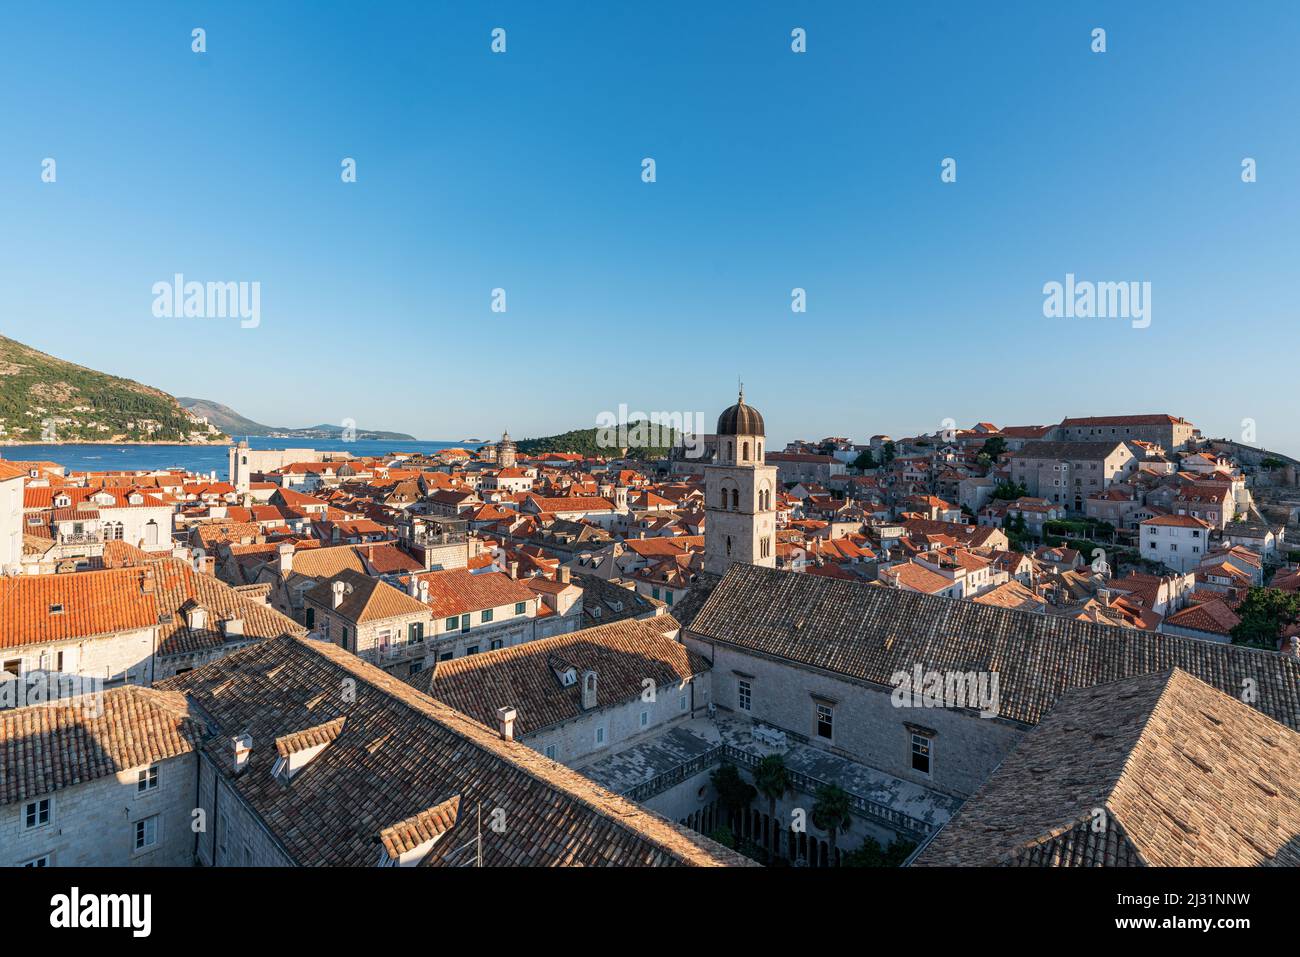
{"points": [[1264, 614], [887, 452], [865, 461], [724, 836], [734, 792], [772, 780], [871, 854], [1010, 491], [830, 812], [994, 447]]}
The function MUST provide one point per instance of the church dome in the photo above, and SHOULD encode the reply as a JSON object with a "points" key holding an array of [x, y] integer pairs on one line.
{"points": [[741, 419]]}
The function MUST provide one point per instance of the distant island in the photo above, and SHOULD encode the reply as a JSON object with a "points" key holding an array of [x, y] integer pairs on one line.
{"points": [[50, 401], [231, 422]]}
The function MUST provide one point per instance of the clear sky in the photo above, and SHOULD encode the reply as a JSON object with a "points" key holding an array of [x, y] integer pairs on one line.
{"points": [[775, 170]]}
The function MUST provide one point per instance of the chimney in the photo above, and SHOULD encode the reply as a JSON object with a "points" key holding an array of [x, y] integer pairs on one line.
{"points": [[286, 557], [588, 690], [506, 723], [146, 581], [337, 596], [413, 586], [242, 749], [424, 592], [563, 575], [232, 626], [1103, 596], [514, 569]]}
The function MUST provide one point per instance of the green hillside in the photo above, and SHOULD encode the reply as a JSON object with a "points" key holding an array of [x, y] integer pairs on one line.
{"points": [[47, 399], [584, 442]]}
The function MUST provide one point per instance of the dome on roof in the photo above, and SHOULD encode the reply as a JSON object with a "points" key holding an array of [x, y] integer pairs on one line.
{"points": [[741, 419]]}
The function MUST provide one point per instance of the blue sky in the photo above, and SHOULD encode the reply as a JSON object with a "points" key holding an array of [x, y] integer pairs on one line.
{"points": [[775, 170]]}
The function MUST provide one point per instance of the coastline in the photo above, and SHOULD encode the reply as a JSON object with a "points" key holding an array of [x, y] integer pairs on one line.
{"points": [[196, 445]]}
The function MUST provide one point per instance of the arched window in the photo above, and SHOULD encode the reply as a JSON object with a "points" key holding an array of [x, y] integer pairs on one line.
{"points": [[728, 544], [745, 447], [728, 450], [735, 498], [724, 498]]}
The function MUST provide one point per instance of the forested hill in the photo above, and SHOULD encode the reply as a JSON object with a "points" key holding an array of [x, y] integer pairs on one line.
{"points": [[585, 442], [47, 399]]}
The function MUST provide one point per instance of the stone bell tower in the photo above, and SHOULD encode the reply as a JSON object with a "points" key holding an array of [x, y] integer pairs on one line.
{"points": [[740, 493]]}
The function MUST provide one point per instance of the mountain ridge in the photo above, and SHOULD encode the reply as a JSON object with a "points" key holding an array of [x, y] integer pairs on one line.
{"points": [[231, 422]]}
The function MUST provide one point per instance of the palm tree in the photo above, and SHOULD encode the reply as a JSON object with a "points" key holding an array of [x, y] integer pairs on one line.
{"points": [[831, 812], [734, 792], [772, 780]]}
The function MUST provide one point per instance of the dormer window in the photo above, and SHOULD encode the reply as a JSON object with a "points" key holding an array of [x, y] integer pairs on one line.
{"points": [[62, 501], [407, 843], [56, 609], [295, 751], [566, 673]]}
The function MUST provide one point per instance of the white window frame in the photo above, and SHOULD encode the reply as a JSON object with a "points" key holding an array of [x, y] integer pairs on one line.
{"points": [[137, 833], [818, 708], [147, 780], [929, 754], [49, 813]]}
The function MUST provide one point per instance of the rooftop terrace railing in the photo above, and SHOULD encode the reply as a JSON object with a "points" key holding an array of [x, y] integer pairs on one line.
{"points": [[904, 824]]}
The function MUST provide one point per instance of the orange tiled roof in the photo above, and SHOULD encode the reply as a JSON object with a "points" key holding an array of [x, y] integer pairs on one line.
{"points": [[458, 591]]}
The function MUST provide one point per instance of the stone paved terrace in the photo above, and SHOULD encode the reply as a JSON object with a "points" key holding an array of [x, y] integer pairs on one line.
{"points": [[659, 757], [883, 794], [646, 769]]}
